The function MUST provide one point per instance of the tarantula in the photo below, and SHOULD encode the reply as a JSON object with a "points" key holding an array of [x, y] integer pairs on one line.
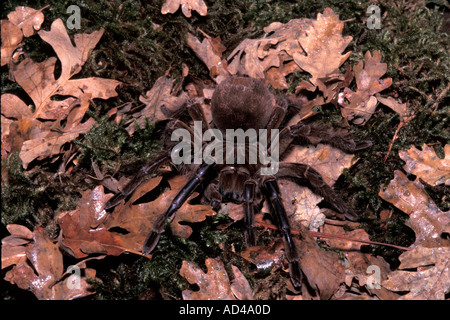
{"points": [[246, 103]]}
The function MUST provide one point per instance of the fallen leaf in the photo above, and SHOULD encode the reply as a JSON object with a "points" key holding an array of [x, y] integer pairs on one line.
{"points": [[38, 80], [214, 284], [139, 218], [401, 108], [40, 268], [27, 19], [210, 52], [11, 38], [427, 165], [323, 44], [301, 204], [345, 245], [83, 230], [322, 268], [171, 6], [269, 57], [330, 162], [160, 102], [362, 103], [240, 286], [424, 270], [49, 142], [425, 217], [424, 273]]}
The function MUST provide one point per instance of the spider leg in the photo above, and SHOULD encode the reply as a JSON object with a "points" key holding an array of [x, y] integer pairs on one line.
{"points": [[196, 112], [290, 248], [158, 227], [135, 182], [249, 212], [301, 132], [318, 185]]}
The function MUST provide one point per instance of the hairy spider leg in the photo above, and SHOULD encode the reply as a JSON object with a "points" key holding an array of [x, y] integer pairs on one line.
{"points": [[294, 171], [158, 227], [249, 212], [290, 248], [135, 182]]}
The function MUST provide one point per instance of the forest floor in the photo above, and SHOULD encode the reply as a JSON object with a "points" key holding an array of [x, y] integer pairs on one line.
{"points": [[83, 110]]}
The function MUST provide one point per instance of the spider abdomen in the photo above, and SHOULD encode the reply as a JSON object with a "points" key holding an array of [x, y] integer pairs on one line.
{"points": [[242, 103]]}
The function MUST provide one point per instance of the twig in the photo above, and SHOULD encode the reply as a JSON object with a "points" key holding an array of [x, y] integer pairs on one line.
{"points": [[400, 125], [439, 98]]}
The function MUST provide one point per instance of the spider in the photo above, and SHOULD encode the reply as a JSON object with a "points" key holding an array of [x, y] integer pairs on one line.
{"points": [[247, 103]]}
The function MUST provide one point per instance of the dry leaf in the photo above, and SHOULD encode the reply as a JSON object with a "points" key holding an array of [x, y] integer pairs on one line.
{"points": [[269, 57], [240, 286], [424, 270], [27, 19], [38, 80], [49, 142], [426, 219], [214, 285], [362, 103], [171, 6], [322, 268], [89, 229], [401, 108], [159, 102], [11, 38], [83, 230], [301, 204], [210, 52], [424, 273], [427, 165], [40, 267], [323, 44], [329, 161]]}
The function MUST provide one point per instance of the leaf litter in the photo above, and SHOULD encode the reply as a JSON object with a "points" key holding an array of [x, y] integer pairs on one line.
{"points": [[312, 46]]}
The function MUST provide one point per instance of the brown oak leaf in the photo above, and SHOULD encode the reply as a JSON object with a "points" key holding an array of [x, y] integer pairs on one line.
{"points": [[323, 44], [38, 266], [43, 139], [424, 272], [171, 6], [215, 283], [362, 103], [160, 102], [427, 165], [210, 52], [27, 19]]}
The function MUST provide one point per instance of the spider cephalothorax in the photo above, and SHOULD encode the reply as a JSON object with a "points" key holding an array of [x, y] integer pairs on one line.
{"points": [[246, 103]]}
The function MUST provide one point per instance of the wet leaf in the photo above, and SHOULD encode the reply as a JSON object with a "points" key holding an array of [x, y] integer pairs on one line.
{"points": [[426, 219], [427, 165], [40, 267]]}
